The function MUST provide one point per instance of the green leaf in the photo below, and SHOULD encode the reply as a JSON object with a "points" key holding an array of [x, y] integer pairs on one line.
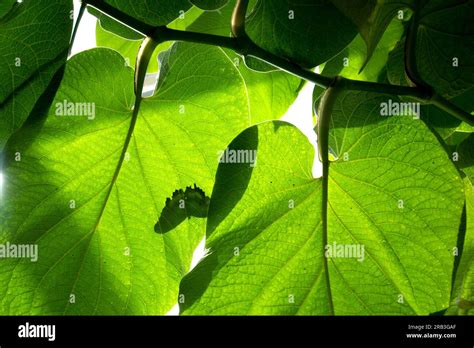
{"points": [[127, 48], [153, 12], [209, 4], [396, 74], [300, 30], [352, 59], [269, 94], [32, 52], [395, 193], [74, 193], [444, 46], [465, 128], [372, 18]]}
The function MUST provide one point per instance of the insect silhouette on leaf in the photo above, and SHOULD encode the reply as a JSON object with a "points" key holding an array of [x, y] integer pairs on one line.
{"points": [[192, 202]]}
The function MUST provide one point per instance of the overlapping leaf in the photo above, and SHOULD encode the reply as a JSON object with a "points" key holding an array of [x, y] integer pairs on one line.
{"points": [[372, 18], [309, 32], [445, 42], [352, 59], [91, 205], [442, 50], [463, 290], [393, 191], [396, 73], [34, 41]]}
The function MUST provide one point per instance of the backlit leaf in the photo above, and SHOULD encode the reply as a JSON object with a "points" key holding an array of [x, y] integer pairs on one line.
{"points": [[91, 205], [394, 206]]}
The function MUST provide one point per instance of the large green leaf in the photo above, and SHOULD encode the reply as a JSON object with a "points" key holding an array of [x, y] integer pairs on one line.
{"points": [[153, 12], [75, 190], [445, 42], [372, 17], [309, 32], [33, 49], [393, 191]]}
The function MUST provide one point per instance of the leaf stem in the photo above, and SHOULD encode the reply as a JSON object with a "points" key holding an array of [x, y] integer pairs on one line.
{"points": [[165, 34], [452, 109], [325, 114], [143, 59], [410, 52], [376, 87], [238, 18], [255, 51]]}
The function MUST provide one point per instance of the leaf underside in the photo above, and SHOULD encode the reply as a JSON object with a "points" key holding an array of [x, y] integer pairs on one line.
{"points": [[401, 200], [114, 190], [100, 245]]}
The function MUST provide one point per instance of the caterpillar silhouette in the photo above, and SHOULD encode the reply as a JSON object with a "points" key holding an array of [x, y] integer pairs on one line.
{"points": [[183, 205]]}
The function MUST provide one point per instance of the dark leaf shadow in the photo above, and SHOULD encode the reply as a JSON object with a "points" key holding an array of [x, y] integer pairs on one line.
{"points": [[222, 203]]}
